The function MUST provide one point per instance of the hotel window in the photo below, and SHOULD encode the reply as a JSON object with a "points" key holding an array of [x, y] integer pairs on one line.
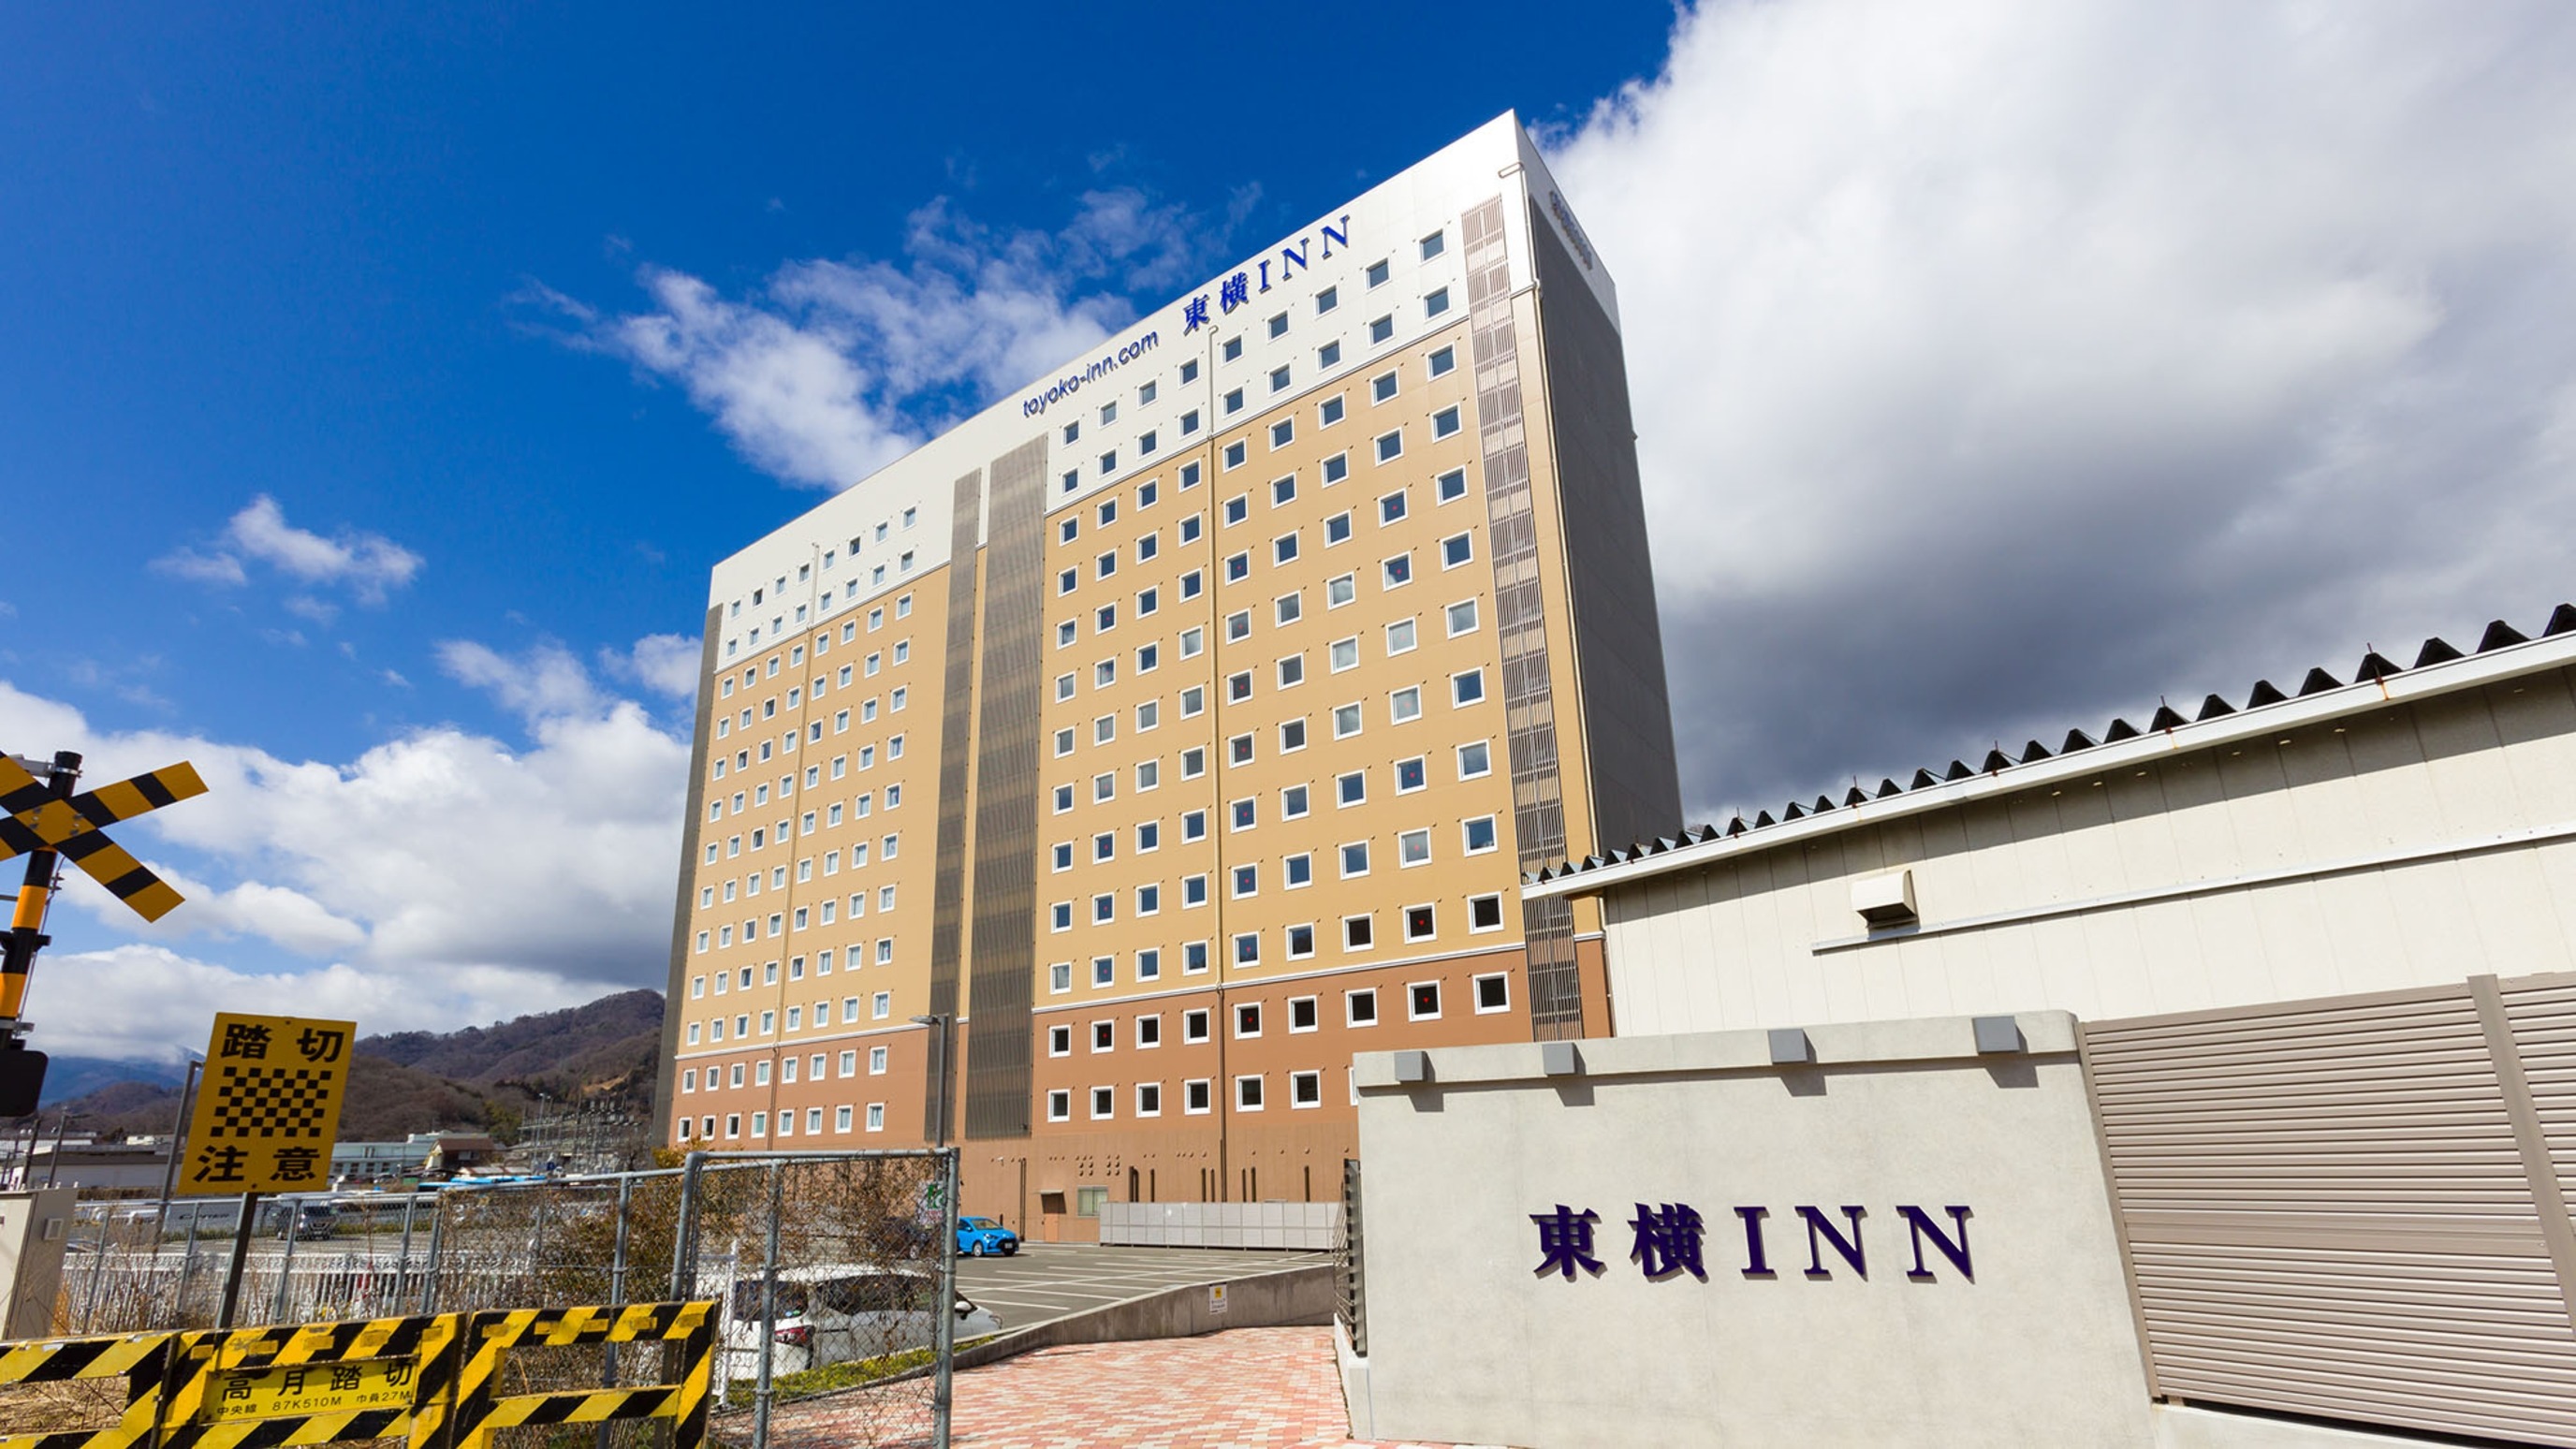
{"points": [[1145, 394], [1235, 454], [1147, 601], [1462, 618], [1104, 1036], [1194, 1025], [1339, 591], [1292, 735], [1475, 760], [1060, 1041], [1346, 721], [1467, 688], [1396, 572], [1382, 387], [1413, 847], [1434, 244], [1247, 1020], [1060, 976], [1391, 508], [1327, 299], [1104, 1103], [1149, 967], [1377, 274], [1283, 549], [1381, 329], [1421, 924], [1189, 371], [1247, 881], [1190, 585], [1478, 834], [1301, 942], [1404, 705], [1337, 529], [1189, 425], [1195, 1097], [1292, 803], [1193, 890], [1247, 1094], [1238, 625], [1328, 412], [1299, 869], [1060, 1105], [1238, 567], [1357, 935], [1149, 1099], [1147, 546], [876, 1061], [1247, 949], [1390, 446], [1484, 913], [1305, 1089], [1278, 383], [1409, 775], [1279, 325], [1233, 348], [1444, 361], [1234, 401], [1336, 468], [1149, 773], [1444, 423], [876, 1116], [1355, 859], [1436, 303], [840, 1119], [1287, 609]]}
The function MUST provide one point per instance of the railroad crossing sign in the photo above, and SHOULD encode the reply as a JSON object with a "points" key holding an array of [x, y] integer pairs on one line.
{"points": [[268, 1112], [38, 819], [44, 821]]}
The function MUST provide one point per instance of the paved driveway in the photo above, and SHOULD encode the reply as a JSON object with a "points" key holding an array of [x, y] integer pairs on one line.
{"points": [[1050, 1280]]}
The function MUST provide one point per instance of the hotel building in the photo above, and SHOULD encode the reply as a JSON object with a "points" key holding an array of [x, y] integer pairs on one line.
{"points": [[1185, 722]]}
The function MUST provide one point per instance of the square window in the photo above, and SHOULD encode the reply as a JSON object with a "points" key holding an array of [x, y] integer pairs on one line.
{"points": [[1409, 775], [1436, 303], [1404, 704], [1484, 913], [1475, 760], [1194, 1025], [1381, 329], [1247, 949], [1327, 299], [1149, 836], [1457, 549], [1193, 890], [1189, 371], [1467, 688], [1329, 355], [1149, 1099], [1279, 325], [1104, 1036], [1236, 453], [1336, 468], [1247, 1019], [1242, 814], [1280, 432], [1149, 967], [1377, 274], [1390, 445], [1292, 802], [1382, 387], [1195, 1097], [1444, 423], [1247, 1094], [1283, 549], [1434, 244], [1238, 625], [1063, 798], [1397, 571], [1104, 1102], [1355, 859], [1292, 670], [1287, 608], [1328, 412], [1190, 585], [1305, 1089], [1292, 736], [1238, 567], [1233, 349], [1462, 618], [1413, 847], [1060, 1041], [1444, 362], [1420, 924], [1359, 1008], [1104, 970], [1479, 834], [1390, 508], [1059, 1105]]}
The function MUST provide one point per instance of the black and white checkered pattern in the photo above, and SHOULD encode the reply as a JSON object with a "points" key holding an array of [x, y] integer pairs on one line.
{"points": [[284, 1102]]}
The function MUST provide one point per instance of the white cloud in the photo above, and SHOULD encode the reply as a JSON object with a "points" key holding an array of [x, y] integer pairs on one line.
{"points": [[440, 877], [836, 368], [368, 565], [1998, 366], [138, 1001], [664, 663]]}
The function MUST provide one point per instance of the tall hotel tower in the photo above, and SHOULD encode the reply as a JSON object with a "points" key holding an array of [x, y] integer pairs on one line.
{"points": [[1182, 724]]}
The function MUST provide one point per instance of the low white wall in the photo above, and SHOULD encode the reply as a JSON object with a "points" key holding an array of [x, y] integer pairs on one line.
{"points": [[1310, 1225], [1469, 1341]]}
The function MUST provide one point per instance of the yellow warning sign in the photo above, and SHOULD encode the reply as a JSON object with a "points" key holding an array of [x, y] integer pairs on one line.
{"points": [[268, 1108], [320, 1388]]}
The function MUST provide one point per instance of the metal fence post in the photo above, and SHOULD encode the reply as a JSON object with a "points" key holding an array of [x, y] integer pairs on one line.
{"points": [[187, 1267], [402, 1263], [943, 1374], [768, 1307], [684, 1238], [437, 1237], [286, 1263], [616, 1289], [97, 1278]]}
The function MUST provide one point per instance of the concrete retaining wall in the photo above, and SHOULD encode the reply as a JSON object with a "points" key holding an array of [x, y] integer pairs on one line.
{"points": [[1289, 1298]]}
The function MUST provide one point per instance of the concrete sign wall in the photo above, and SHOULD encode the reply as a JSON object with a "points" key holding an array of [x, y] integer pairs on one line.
{"points": [[1862, 1234]]}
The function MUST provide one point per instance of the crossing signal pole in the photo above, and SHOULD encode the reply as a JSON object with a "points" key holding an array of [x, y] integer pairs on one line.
{"points": [[43, 820]]}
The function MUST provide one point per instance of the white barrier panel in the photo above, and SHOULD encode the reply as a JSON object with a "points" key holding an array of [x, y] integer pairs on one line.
{"points": [[1315, 1226]]}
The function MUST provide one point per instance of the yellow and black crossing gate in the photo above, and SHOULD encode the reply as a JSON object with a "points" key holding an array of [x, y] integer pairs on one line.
{"points": [[431, 1380]]}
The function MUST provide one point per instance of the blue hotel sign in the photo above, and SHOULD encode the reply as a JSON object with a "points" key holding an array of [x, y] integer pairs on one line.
{"points": [[1671, 1239], [1234, 291]]}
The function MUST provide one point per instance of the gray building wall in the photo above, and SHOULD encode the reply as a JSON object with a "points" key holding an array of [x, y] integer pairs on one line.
{"points": [[2411, 832], [1468, 1343]]}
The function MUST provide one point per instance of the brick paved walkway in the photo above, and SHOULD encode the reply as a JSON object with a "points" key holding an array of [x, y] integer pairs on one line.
{"points": [[1275, 1388]]}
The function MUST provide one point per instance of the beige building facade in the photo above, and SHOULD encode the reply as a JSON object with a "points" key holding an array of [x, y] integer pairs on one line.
{"points": [[1186, 724]]}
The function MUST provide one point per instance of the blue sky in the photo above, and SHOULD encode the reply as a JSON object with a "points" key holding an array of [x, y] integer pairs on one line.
{"points": [[376, 389]]}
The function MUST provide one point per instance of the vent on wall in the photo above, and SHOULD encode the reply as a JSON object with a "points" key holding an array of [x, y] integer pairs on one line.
{"points": [[1886, 901]]}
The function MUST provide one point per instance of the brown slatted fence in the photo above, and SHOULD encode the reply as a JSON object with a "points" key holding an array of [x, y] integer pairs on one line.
{"points": [[2352, 1207]]}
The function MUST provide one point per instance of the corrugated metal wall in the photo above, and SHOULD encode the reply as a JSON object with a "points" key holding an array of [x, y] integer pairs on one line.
{"points": [[2354, 1207]]}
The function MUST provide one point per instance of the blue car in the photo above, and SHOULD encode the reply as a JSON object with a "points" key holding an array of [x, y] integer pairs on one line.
{"points": [[984, 1237]]}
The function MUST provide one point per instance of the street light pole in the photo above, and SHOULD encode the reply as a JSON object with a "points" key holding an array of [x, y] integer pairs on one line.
{"points": [[170, 1169], [946, 1022]]}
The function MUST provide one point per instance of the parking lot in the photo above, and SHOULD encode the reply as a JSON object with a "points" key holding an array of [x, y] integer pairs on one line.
{"points": [[1050, 1280]]}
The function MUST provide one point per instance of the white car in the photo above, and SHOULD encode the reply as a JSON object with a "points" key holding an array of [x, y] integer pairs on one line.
{"points": [[839, 1314]]}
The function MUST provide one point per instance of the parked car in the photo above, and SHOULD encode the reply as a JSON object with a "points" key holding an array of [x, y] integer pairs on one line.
{"points": [[839, 1314], [984, 1237], [310, 1220]]}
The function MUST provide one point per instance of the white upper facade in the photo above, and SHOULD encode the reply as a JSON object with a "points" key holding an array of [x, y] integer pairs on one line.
{"points": [[1363, 281]]}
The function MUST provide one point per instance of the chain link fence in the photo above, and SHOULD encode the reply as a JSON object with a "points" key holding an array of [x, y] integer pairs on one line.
{"points": [[833, 1275]]}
